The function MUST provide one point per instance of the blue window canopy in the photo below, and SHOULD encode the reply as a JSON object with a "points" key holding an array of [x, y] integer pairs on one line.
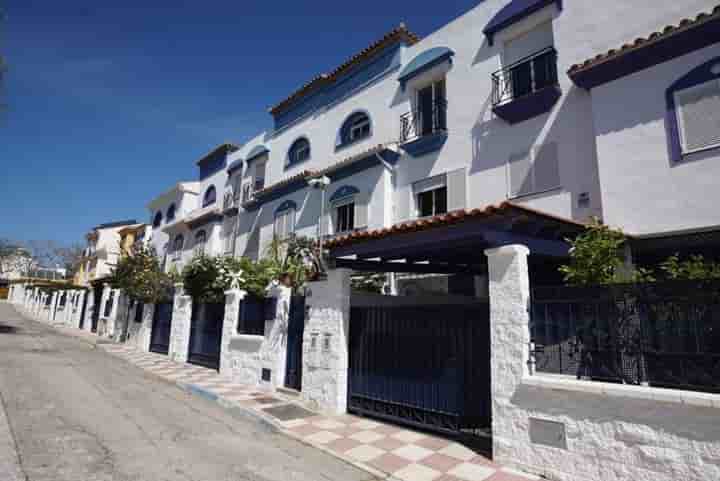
{"points": [[513, 12], [235, 165], [344, 191], [256, 152], [423, 62], [285, 206]]}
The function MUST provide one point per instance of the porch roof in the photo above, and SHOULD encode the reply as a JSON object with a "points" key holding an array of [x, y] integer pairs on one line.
{"points": [[453, 242]]}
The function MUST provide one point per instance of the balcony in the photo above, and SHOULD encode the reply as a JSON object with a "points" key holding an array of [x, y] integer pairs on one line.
{"points": [[526, 88], [425, 129]]}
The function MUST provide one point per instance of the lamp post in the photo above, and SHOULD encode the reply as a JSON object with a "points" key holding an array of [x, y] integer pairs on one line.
{"points": [[321, 184]]}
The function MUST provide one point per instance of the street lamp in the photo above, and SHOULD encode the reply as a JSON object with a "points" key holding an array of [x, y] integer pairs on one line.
{"points": [[321, 184]]}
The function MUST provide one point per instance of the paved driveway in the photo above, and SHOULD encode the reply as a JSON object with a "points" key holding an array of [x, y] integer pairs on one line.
{"points": [[77, 414]]}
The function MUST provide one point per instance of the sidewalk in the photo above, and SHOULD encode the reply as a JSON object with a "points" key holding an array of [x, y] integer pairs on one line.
{"points": [[385, 450], [10, 469]]}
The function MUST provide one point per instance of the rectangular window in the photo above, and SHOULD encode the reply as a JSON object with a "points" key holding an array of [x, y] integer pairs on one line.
{"points": [[431, 196], [284, 224], [345, 217], [360, 129], [698, 112], [534, 171]]}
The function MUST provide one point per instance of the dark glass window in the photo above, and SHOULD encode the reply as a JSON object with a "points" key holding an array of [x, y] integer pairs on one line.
{"points": [[345, 217], [170, 216], [432, 202], [210, 196], [251, 319], [157, 220], [299, 151], [355, 128]]}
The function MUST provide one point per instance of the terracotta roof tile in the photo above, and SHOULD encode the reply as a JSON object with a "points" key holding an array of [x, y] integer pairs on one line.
{"points": [[401, 32], [454, 217], [641, 42]]}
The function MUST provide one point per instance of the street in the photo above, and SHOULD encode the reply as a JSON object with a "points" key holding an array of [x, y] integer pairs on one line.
{"points": [[77, 413]]}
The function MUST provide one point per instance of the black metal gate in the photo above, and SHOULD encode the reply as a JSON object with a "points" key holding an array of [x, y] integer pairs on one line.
{"points": [[206, 334], [160, 333], [97, 291], [296, 328], [82, 308], [423, 365]]}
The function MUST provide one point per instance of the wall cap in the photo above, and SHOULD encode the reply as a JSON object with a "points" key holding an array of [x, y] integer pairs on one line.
{"points": [[674, 396], [512, 249]]}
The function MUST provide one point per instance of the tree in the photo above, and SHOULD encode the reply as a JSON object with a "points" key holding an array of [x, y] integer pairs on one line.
{"points": [[141, 277], [70, 257], [15, 260]]}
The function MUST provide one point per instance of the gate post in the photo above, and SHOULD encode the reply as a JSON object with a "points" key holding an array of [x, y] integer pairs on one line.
{"points": [[180, 327], [90, 308], [509, 340], [233, 297], [273, 350], [325, 342], [79, 308], [146, 327], [54, 303]]}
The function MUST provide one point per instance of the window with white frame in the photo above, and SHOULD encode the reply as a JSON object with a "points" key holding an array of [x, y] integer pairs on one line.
{"points": [[534, 171], [284, 223], [344, 215], [431, 196], [698, 116]]}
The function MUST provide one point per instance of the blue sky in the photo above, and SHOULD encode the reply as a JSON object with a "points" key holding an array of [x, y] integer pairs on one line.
{"points": [[110, 103]]}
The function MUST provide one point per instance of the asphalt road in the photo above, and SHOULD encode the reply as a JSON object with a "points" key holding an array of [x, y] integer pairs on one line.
{"points": [[79, 414]]}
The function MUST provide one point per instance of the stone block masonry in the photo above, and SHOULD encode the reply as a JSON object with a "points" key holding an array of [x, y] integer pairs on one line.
{"points": [[180, 326]]}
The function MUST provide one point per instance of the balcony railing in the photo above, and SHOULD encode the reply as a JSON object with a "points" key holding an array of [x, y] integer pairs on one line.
{"points": [[524, 77], [424, 122]]}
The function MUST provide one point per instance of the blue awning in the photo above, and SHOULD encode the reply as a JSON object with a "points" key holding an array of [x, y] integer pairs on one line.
{"points": [[255, 152], [423, 62], [344, 191], [235, 165], [513, 12]]}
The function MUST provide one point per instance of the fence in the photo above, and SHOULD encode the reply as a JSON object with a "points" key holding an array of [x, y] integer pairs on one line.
{"points": [[663, 334]]}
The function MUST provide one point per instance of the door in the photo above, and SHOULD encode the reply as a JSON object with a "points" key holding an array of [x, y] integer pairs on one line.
{"points": [[82, 311], [206, 334], [160, 332], [296, 328], [422, 365], [97, 292], [425, 110]]}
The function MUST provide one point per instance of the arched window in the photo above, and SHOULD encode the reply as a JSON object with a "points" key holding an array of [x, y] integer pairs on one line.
{"points": [[356, 127], [178, 243], [170, 214], [200, 239], [209, 197], [157, 220], [693, 111], [299, 151]]}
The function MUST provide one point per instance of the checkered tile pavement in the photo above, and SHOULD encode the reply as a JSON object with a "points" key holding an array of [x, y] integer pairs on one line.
{"points": [[401, 453]]}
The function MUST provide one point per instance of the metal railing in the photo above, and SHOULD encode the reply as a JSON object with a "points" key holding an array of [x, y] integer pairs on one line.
{"points": [[422, 122], [524, 77], [663, 334]]}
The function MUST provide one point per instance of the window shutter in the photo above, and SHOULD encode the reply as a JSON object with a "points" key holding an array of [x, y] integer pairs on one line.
{"points": [[520, 174], [699, 115], [545, 169], [456, 189], [361, 209]]}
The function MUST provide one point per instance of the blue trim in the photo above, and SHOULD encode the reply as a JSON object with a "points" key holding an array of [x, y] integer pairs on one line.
{"points": [[425, 144], [696, 76], [210, 196], [648, 55], [235, 165], [512, 13], [528, 106], [157, 220], [343, 136], [256, 152], [345, 84], [423, 62], [344, 191], [292, 151], [212, 164], [287, 205], [170, 214]]}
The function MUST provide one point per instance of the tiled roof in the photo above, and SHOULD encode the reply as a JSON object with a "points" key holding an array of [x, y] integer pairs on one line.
{"points": [[643, 42], [454, 217], [399, 33]]}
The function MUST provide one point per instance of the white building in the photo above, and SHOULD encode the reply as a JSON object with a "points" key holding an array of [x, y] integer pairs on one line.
{"points": [[101, 253]]}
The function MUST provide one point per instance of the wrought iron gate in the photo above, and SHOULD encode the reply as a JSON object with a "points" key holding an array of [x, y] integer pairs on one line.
{"points": [[296, 328], [206, 334], [160, 333], [422, 365], [96, 308]]}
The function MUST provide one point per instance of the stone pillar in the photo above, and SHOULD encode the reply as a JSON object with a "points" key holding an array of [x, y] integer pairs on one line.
{"points": [[325, 343], [115, 320], [146, 328], [233, 297], [273, 350], [509, 287], [180, 327], [54, 300], [69, 303], [89, 309], [102, 320]]}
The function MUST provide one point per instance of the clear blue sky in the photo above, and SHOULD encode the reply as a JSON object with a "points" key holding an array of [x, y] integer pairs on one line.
{"points": [[110, 103]]}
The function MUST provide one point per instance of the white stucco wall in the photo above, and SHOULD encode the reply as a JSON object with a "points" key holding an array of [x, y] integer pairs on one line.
{"points": [[643, 191]]}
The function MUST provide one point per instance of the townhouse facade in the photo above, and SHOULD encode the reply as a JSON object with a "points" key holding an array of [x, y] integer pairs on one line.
{"points": [[101, 252]]}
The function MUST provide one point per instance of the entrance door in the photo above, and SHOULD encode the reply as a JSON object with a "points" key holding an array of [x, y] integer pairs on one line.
{"points": [[97, 291], [422, 364], [296, 328], [82, 311], [160, 332], [206, 334]]}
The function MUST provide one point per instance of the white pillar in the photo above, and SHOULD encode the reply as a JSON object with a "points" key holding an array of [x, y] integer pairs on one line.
{"points": [[89, 309], [146, 328], [102, 320], [273, 351], [509, 286], [180, 327], [325, 343], [114, 322], [233, 298], [54, 300]]}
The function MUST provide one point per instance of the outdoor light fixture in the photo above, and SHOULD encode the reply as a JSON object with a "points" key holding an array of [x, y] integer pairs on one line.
{"points": [[320, 183]]}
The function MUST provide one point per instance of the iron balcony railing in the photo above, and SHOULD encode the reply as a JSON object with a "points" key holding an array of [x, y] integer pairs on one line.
{"points": [[423, 122], [524, 77]]}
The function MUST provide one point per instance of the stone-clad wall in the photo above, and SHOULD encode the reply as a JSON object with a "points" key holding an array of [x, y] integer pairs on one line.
{"points": [[574, 430], [180, 327]]}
